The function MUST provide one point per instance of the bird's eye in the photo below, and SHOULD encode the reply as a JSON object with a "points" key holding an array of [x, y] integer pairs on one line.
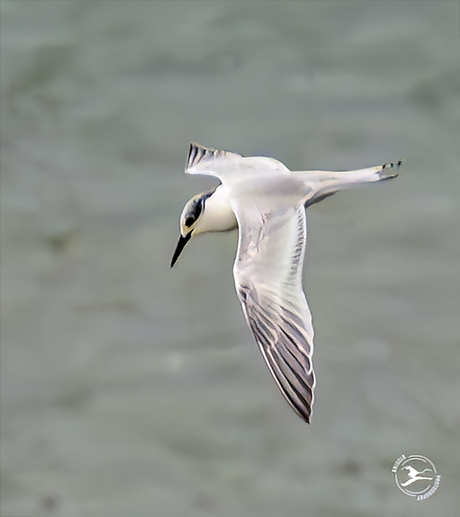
{"points": [[189, 221], [198, 209]]}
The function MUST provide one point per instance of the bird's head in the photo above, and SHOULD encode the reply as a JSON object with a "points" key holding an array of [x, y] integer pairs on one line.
{"points": [[189, 223]]}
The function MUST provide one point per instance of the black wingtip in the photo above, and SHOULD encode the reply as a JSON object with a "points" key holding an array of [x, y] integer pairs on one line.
{"points": [[198, 152], [390, 170]]}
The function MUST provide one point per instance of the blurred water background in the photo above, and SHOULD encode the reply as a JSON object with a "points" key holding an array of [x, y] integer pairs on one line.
{"points": [[130, 389]]}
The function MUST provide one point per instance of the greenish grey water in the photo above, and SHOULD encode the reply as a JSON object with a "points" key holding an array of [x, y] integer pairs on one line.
{"points": [[128, 389]]}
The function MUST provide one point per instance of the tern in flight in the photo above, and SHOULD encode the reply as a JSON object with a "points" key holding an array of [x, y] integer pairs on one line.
{"points": [[266, 202]]}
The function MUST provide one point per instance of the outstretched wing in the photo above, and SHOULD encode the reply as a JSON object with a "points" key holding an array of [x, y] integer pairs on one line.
{"points": [[268, 280], [228, 166], [208, 161]]}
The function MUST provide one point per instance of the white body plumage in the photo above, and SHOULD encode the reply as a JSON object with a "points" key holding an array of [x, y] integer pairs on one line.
{"points": [[266, 202]]}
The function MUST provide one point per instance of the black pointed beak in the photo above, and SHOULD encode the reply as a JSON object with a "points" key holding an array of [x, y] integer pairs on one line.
{"points": [[180, 246]]}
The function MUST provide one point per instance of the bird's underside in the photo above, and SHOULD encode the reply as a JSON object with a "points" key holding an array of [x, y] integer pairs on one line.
{"points": [[269, 201]]}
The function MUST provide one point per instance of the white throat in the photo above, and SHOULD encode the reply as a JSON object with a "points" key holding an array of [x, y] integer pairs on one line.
{"points": [[217, 215]]}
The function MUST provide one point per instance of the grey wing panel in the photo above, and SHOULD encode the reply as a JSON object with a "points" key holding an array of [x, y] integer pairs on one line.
{"points": [[285, 346]]}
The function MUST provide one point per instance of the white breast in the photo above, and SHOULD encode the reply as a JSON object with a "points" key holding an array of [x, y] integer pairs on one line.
{"points": [[218, 215]]}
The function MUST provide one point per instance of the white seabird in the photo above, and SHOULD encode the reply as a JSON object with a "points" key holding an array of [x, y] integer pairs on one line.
{"points": [[266, 202]]}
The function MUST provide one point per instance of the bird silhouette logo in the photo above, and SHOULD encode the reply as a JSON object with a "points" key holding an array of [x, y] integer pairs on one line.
{"points": [[416, 476]]}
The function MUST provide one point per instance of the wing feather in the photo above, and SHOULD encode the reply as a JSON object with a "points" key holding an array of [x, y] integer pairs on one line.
{"points": [[229, 166], [207, 160], [268, 280]]}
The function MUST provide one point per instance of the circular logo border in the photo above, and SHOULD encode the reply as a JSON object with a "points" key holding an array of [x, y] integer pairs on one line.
{"points": [[404, 462]]}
